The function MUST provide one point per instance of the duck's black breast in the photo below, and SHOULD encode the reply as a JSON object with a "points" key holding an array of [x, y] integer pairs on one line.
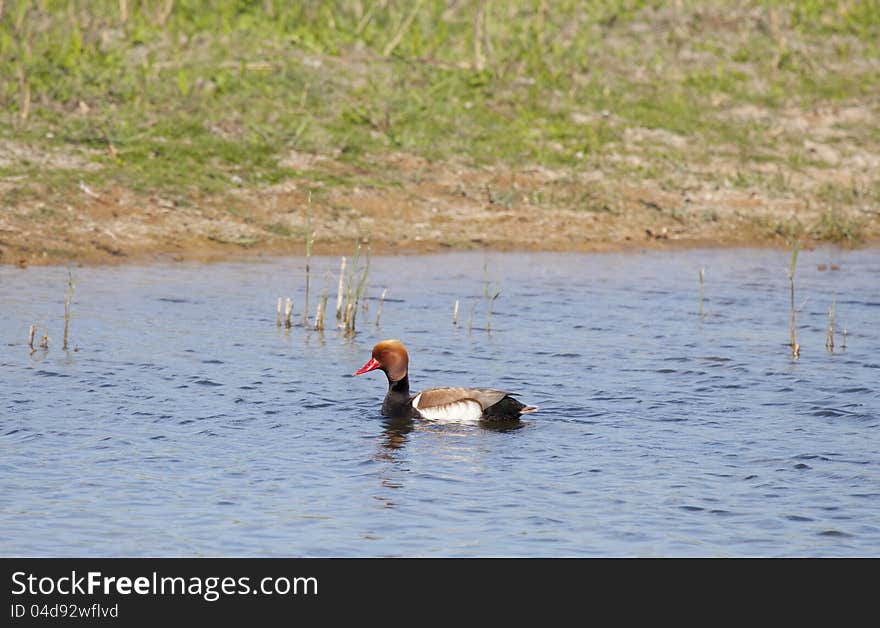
{"points": [[398, 407], [398, 403]]}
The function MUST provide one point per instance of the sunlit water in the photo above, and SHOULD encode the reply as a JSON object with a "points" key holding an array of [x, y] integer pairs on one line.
{"points": [[187, 424]]}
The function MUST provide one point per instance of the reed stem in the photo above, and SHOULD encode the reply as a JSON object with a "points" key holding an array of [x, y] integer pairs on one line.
{"points": [[455, 314], [379, 309], [357, 295], [829, 335], [795, 347], [67, 302], [278, 313], [31, 333], [310, 238], [288, 310], [348, 316], [350, 287], [340, 289], [489, 311], [702, 272], [321, 312]]}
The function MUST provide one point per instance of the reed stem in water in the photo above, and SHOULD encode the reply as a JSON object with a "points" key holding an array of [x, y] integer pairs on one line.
{"points": [[67, 301], [795, 347], [310, 238], [288, 310], [702, 272], [340, 289], [320, 313], [455, 314], [349, 294], [379, 309], [358, 294], [829, 335], [278, 313], [31, 334], [489, 312], [348, 317]]}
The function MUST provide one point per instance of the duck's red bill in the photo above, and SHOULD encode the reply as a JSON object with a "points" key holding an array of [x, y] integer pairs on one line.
{"points": [[369, 366]]}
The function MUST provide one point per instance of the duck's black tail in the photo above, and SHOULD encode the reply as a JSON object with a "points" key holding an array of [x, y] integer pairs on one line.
{"points": [[508, 409]]}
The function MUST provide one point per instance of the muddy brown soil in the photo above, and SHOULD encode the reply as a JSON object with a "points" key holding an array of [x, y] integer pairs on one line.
{"points": [[436, 207]]}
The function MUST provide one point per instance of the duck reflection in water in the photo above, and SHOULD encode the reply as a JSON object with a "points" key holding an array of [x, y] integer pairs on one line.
{"points": [[394, 436]]}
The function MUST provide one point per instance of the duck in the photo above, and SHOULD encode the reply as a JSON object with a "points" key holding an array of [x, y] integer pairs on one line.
{"points": [[437, 404]]}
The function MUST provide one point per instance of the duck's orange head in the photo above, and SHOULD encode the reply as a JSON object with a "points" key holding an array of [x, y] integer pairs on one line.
{"points": [[391, 357]]}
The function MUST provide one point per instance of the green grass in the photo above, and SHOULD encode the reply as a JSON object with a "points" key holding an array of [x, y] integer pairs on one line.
{"points": [[838, 226], [215, 96], [279, 229]]}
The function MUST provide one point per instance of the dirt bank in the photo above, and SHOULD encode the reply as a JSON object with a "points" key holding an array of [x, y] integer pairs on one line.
{"points": [[436, 207]]}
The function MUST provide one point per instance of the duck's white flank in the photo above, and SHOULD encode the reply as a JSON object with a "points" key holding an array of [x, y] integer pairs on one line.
{"points": [[462, 410]]}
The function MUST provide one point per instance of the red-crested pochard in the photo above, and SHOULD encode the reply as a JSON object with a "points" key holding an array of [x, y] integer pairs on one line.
{"points": [[438, 404]]}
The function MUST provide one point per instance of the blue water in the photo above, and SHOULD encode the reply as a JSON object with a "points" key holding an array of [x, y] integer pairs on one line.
{"points": [[186, 423]]}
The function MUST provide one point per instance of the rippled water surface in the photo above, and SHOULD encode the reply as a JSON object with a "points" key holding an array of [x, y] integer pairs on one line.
{"points": [[187, 424]]}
